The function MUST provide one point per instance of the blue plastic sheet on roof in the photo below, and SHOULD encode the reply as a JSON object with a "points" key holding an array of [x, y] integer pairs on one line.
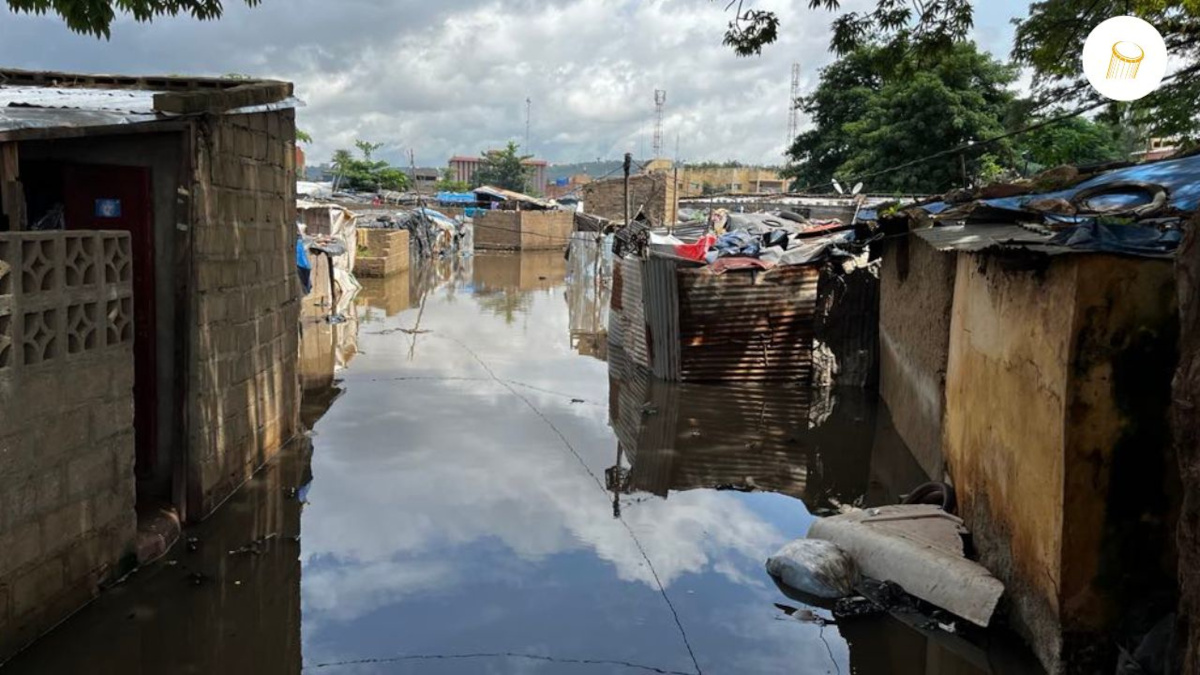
{"points": [[456, 197], [1181, 177]]}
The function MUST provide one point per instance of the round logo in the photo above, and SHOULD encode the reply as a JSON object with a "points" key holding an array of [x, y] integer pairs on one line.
{"points": [[1125, 58]]}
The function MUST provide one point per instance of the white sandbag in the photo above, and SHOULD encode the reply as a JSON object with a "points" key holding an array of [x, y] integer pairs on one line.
{"points": [[815, 567]]}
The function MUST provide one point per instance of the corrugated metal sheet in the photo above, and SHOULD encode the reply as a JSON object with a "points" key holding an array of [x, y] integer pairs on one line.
{"points": [[680, 437], [634, 312], [111, 100], [749, 327], [660, 291], [616, 317]]}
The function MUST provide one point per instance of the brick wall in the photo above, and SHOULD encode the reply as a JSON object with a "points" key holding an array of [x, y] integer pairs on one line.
{"points": [[655, 193], [381, 253], [523, 230], [67, 517], [243, 389]]}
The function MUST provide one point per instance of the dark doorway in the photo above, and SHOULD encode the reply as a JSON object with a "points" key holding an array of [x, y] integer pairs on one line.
{"points": [[102, 197]]}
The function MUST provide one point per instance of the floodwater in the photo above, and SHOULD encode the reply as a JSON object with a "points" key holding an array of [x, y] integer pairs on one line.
{"points": [[490, 488]]}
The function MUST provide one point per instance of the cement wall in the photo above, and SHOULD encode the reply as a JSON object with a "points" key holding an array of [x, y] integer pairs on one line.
{"points": [[654, 193], [916, 286], [381, 253], [67, 520], [243, 397], [523, 230], [1036, 425]]}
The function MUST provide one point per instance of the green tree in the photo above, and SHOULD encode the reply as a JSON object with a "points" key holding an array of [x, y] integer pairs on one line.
{"points": [[366, 174], [870, 117], [303, 136], [1049, 41], [95, 17], [1075, 141], [447, 182], [504, 169], [904, 29]]}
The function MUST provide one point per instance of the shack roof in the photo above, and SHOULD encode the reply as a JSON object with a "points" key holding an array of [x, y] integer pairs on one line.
{"points": [[503, 195], [52, 100], [1134, 210]]}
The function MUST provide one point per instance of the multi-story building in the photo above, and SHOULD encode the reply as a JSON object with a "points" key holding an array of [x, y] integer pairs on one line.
{"points": [[464, 169]]}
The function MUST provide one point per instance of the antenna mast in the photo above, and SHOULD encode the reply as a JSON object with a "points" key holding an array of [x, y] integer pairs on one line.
{"points": [[660, 99], [528, 111], [793, 109]]}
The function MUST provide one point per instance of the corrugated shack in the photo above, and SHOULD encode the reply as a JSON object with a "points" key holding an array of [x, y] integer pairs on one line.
{"points": [[743, 303], [1029, 339]]}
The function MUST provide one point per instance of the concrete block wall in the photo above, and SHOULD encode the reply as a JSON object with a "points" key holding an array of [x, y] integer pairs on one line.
{"points": [[654, 193], [523, 230], [244, 392], [381, 253], [67, 520]]}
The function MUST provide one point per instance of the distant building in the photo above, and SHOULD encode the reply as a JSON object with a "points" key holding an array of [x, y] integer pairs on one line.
{"points": [[571, 186], [424, 179], [1158, 148], [464, 169], [695, 181]]}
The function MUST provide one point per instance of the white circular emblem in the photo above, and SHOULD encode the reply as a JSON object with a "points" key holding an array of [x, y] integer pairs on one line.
{"points": [[1125, 58]]}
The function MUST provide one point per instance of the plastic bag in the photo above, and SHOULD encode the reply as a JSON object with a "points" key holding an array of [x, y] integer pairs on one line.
{"points": [[815, 567]]}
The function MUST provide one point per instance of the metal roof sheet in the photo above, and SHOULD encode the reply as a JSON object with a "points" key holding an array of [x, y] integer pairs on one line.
{"points": [[111, 100], [973, 238]]}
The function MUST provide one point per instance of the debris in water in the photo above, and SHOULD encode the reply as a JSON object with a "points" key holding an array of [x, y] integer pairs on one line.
{"points": [[803, 615], [578, 400], [193, 544]]}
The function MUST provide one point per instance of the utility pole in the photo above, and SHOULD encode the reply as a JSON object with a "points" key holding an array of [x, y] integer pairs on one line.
{"points": [[660, 100], [793, 109], [528, 115], [628, 164]]}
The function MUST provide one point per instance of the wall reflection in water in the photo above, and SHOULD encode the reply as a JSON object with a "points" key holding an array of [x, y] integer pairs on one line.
{"points": [[226, 602], [825, 447]]}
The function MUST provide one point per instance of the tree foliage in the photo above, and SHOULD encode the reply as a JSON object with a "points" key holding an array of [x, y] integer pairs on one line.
{"points": [[448, 183], [1049, 39], [366, 174], [902, 29], [1076, 141], [95, 17], [504, 169], [869, 118]]}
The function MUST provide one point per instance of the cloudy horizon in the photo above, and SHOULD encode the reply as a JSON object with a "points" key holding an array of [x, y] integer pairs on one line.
{"points": [[453, 77]]}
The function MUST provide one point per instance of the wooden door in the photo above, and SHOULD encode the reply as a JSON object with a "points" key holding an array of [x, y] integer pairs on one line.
{"points": [[102, 197]]}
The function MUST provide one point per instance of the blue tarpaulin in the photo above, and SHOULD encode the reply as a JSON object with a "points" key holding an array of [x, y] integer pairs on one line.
{"points": [[456, 197]]}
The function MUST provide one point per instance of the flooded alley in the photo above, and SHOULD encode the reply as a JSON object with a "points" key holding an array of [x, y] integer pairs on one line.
{"points": [[488, 487]]}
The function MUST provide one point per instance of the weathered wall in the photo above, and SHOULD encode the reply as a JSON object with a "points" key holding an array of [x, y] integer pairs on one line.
{"points": [[243, 393], [381, 253], [1055, 439], [1006, 393], [67, 519], [916, 287], [1186, 423], [656, 193], [523, 230], [1121, 491]]}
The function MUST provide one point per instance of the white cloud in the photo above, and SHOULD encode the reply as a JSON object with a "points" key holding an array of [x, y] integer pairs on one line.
{"points": [[452, 77]]}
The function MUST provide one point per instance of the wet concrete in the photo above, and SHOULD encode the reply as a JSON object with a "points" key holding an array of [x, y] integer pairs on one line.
{"points": [[490, 488]]}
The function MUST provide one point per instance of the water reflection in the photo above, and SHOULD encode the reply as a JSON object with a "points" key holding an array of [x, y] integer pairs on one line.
{"points": [[231, 605], [467, 465]]}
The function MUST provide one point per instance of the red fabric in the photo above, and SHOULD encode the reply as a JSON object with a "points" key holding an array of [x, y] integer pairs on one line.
{"points": [[698, 250]]}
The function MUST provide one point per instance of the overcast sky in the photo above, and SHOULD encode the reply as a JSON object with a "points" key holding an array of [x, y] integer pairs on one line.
{"points": [[447, 77]]}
